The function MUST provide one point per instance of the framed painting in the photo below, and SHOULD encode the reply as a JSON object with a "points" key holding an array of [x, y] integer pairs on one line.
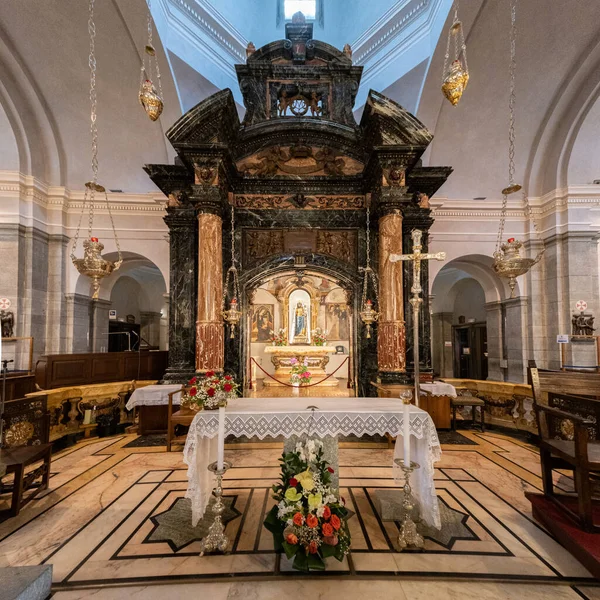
{"points": [[337, 321], [262, 323]]}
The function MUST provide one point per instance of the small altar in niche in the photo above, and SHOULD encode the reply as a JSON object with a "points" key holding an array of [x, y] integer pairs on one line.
{"points": [[297, 307], [316, 358]]}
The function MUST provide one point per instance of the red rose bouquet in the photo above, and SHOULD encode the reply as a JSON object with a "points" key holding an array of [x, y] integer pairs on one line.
{"points": [[308, 522], [212, 390]]}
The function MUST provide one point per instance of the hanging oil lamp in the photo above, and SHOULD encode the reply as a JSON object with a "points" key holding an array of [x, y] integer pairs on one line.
{"points": [[150, 99], [508, 262], [233, 314], [368, 314], [456, 74], [93, 265]]}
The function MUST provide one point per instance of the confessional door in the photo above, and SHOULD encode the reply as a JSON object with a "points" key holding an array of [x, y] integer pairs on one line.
{"points": [[470, 351]]}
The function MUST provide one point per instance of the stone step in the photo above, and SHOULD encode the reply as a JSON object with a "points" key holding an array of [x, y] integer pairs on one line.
{"points": [[26, 583]]}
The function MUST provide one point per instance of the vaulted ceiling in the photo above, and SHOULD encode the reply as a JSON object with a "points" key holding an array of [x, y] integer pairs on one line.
{"points": [[44, 82]]}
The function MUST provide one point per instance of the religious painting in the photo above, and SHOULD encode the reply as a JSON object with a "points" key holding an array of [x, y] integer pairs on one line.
{"points": [[337, 321], [262, 323]]}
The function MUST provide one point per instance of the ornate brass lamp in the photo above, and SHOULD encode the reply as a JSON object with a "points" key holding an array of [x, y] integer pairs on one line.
{"points": [[508, 262], [150, 99], [368, 314], [233, 315], [455, 76], [92, 264]]}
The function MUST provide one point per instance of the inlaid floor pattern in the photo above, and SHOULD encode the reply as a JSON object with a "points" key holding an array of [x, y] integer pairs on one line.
{"points": [[117, 515]]}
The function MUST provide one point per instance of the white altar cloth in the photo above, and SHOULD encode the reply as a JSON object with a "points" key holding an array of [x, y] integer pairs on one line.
{"points": [[153, 395], [439, 388], [264, 417]]}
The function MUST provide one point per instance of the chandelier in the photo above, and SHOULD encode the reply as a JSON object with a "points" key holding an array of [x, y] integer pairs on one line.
{"points": [[150, 99], [92, 264], [508, 262], [233, 314], [455, 76], [368, 314]]}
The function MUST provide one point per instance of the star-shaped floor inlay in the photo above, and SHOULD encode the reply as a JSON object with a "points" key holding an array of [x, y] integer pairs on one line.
{"points": [[454, 527], [174, 526]]}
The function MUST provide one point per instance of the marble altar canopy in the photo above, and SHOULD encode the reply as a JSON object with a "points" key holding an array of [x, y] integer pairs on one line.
{"points": [[299, 173], [317, 359]]}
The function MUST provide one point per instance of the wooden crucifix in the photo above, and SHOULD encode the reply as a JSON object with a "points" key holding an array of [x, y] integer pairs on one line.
{"points": [[416, 257]]}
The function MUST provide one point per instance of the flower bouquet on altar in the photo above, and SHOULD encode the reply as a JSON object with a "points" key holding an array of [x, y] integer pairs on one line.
{"points": [[300, 375], [319, 336], [211, 391], [279, 337], [309, 521]]}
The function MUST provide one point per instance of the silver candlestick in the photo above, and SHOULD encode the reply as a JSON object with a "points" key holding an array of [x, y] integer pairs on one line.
{"points": [[216, 539], [408, 537]]}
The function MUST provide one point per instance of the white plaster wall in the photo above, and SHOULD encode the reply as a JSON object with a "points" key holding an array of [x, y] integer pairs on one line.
{"points": [[584, 163]]}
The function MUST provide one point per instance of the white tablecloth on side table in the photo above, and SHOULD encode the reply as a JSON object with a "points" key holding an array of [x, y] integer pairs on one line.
{"points": [[439, 388], [154, 395], [262, 417]]}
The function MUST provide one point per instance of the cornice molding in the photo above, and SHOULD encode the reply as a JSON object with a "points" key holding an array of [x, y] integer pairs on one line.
{"points": [[212, 24]]}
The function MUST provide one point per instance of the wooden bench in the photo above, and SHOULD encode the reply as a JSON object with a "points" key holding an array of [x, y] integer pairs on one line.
{"points": [[16, 460], [563, 403]]}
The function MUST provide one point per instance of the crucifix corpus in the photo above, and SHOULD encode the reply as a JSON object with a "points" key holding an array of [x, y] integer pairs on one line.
{"points": [[416, 257]]}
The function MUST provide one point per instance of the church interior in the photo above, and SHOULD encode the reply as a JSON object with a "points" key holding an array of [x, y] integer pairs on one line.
{"points": [[299, 295]]}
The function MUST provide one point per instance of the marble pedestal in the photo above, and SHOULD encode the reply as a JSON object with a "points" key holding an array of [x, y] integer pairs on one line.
{"points": [[316, 356]]}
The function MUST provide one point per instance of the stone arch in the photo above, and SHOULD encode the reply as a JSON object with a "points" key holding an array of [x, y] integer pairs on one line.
{"points": [[506, 318], [152, 305], [548, 163]]}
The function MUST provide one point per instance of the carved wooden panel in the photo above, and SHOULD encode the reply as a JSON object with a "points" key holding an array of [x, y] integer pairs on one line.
{"points": [[260, 244], [298, 201]]}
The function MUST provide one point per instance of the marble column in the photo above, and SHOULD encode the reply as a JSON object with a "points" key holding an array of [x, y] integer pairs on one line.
{"points": [[183, 235], [391, 340], [209, 323], [495, 341], [442, 358], [516, 340]]}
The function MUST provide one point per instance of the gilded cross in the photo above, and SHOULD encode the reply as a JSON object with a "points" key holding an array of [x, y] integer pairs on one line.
{"points": [[416, 258]]}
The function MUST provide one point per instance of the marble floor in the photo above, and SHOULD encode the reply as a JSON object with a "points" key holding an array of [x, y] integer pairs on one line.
{"points": [[109, 526]]}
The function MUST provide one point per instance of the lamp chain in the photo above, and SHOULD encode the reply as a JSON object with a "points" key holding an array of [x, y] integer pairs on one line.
{"points": [[456, 32], [232, 269], [368, 272]]}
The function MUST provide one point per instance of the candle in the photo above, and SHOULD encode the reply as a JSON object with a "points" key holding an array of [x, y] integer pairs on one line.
{"points": [[221, 439], [406, 429]]}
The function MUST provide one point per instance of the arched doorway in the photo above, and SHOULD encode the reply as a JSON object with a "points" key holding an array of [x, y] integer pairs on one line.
{"points": [[132, 308], [478, 331]]}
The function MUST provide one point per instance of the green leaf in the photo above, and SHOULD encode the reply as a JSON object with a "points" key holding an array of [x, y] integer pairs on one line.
{"points": [[290, 549], [327, 550]]}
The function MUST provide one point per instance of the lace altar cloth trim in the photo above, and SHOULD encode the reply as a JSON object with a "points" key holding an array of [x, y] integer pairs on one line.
{"points": [[154, 395], [332, 416], [438, 388]]}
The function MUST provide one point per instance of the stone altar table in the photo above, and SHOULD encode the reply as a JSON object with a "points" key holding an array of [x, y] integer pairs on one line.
{"points": [[317, 361], [261, 417]]}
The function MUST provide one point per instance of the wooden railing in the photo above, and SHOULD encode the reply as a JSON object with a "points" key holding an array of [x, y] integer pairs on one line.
{"points": [[506, 404]]}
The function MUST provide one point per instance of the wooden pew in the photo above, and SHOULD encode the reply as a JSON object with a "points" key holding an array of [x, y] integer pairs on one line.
{"points": [[564, 403]]}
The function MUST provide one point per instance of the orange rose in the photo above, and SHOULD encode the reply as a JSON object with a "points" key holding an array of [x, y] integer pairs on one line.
{"points": [[331, 541], [312, 521], [335, 521], [313, 548], [327, 530], [326, 513], [290, 538], [298, 519]]}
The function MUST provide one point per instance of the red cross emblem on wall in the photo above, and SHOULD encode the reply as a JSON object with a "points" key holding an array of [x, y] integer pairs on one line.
{"points": [[4, 303]]}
